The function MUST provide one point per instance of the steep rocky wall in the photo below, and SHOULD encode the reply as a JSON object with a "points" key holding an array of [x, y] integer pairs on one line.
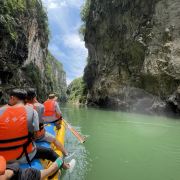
{"points": [[134, 54], [23, 47], [56, 77]]}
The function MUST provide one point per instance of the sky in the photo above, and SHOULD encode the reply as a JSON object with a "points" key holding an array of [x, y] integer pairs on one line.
{"points": [[65, 42]]}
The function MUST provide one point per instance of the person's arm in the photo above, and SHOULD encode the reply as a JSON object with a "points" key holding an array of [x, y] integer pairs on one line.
{"points": [[2, 109], [52, 169], [58, 111], [36, 121], [42, 112]]}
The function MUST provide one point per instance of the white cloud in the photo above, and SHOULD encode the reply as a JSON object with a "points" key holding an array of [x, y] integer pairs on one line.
{"points": [[52, 4], [75, 3], [55, 5], [73, 41], [65, 44]]}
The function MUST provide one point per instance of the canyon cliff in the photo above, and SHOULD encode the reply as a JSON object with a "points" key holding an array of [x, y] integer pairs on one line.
{"points": [[134, 54], [24, 57]]}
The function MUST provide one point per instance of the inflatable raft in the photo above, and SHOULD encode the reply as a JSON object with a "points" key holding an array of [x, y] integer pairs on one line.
{"points": [[60, 136]]}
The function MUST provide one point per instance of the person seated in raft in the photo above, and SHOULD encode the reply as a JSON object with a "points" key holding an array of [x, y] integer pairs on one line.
{"points": [[52, 112], [13, 172], [42, 135], [18, 123], [17, 126]]}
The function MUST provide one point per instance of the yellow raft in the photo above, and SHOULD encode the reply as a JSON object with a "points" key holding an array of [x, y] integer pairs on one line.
{"points": [[60, 136]]}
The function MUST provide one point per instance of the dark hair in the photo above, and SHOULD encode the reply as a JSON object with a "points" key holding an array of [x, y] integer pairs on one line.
{"points": [[31, 93], [19, 93]]}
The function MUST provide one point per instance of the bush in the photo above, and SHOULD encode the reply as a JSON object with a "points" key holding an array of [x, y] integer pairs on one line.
{"points": [[85, 11], [77, 91], [84, 16], [12, 12]]}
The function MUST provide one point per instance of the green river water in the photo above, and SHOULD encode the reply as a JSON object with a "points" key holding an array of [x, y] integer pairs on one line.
{"points": [[123, 146]]}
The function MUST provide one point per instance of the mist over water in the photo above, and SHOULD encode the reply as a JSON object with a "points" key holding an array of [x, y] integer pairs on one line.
{"points": [[123, 145]]}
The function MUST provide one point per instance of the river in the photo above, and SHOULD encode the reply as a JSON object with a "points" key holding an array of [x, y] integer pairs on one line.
{"points": [[123, 146]]}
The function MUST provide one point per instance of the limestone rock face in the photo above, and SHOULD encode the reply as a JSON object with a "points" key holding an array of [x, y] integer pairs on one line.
{"points": [[56, 80], [134, 53], [23, 49]]}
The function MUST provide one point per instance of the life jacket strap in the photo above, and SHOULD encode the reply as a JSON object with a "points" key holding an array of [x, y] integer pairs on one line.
{"points": [[13, 139], [10, 148], [25, 146]]}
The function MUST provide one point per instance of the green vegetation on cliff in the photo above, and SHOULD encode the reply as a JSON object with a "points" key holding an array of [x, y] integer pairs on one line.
{"points": [[85, 10], [77, 91], [56, 77], [11, 9], [24, 61], [54, 74], [84, 16]]}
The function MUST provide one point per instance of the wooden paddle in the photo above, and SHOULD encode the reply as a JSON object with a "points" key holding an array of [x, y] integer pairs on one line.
{"points": [[76, 134]]}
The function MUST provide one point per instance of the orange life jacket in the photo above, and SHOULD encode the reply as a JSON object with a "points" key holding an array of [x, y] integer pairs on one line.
{"points": [[2, 165], [49, 109], [41, 133], [15, 133]]}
